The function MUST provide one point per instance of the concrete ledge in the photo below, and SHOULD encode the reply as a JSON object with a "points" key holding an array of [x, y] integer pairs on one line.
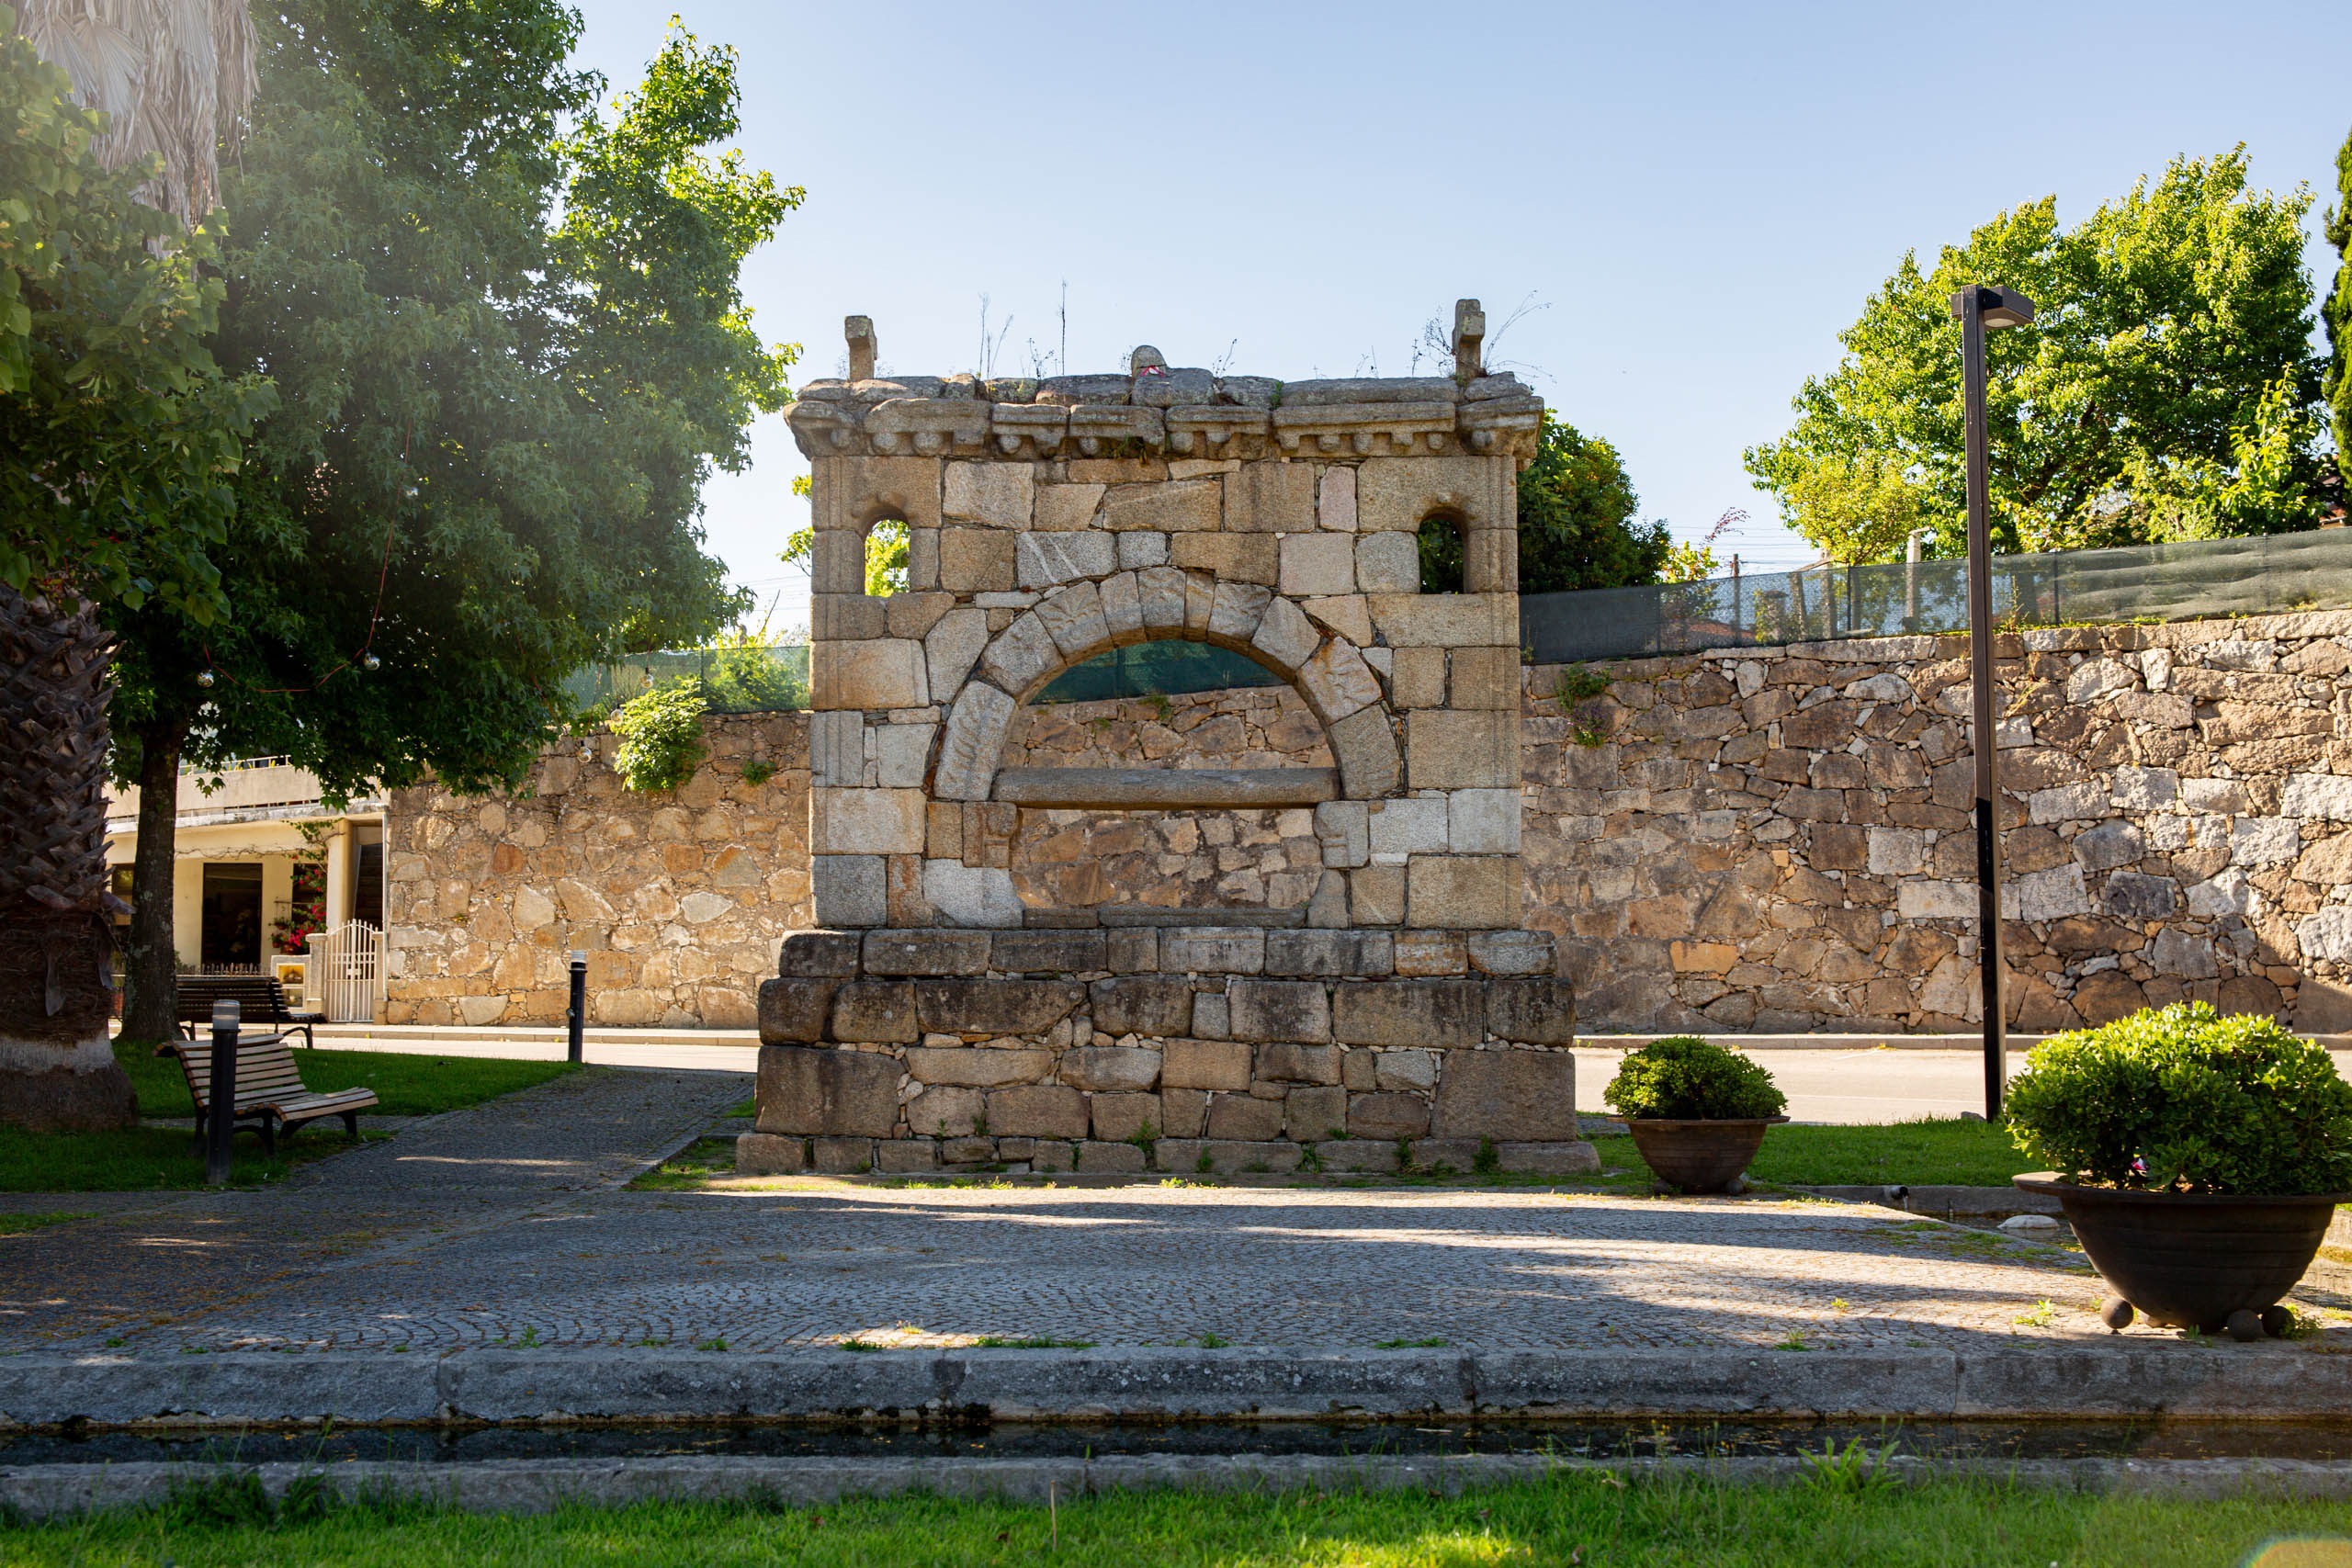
{"points": [[2097, 1380], [1943, 1200], [539, 1485]]}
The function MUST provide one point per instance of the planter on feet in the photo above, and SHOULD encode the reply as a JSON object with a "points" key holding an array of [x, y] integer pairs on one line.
{"points": [[2216, 1262]]}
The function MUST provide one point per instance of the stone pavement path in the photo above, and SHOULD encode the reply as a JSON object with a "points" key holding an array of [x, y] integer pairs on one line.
{"points": [[506, 1226], [164, 1258]]}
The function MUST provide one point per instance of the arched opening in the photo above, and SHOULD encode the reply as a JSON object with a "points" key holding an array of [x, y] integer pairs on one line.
{"points": [[886, 545], [1169, 667], [1166, 747], [1442, 552]]}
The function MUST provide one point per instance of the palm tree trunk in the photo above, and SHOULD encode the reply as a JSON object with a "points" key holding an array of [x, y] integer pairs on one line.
{"points": [[57, 1067], [151, 987]]}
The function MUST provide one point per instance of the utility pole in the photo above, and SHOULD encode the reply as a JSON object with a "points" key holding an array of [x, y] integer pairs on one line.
{"points": [[1977, 308]]}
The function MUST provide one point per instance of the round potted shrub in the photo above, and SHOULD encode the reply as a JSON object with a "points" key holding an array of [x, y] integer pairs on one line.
{"points": [[2198, 1158], [1697, 1112]]}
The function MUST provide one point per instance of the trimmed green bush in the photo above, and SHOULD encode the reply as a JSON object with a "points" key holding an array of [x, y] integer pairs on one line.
{"points": [[2181, 1097], [1686, 1079], [661, 733]]}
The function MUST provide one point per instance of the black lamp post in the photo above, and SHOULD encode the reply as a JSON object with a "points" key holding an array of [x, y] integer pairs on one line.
{"points": [[1978, 307]]}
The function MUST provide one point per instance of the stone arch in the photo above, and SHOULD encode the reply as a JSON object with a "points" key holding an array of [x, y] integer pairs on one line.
{"points": [[1082, 619]]}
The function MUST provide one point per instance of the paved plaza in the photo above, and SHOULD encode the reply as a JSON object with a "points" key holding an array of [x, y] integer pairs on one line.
{"points": [[510, 1225]]}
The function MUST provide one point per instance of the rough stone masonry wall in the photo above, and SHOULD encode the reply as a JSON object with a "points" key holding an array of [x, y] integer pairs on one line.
{"points": [[1176, 1049], [1779, 840], [681, 898], [1266, 859]]}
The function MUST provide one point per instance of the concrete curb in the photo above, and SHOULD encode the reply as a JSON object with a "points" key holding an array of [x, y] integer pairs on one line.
{"points": [[532, 1486], [1943, 1199], [2272, 1379]]}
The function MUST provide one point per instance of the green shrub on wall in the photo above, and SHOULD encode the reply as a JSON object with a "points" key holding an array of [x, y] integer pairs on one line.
{"points": [[2182, 1097], [661, 734], [1685, 1080]]}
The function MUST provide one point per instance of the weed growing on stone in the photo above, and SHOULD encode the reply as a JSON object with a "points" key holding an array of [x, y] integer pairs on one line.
{"points": [[998, 1342], [859, 1345], [2042, 1316], [1409, 1344], [1793, 1340], [1850, 1470], [1214, 1342], [712, 1345]]}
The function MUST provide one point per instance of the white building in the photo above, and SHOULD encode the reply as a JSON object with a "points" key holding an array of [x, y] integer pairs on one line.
{"points": [[246, 836]]}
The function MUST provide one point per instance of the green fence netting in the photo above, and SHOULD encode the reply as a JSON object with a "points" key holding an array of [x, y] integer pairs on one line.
{"points": [[734, 679], [2191, 581], [1148, 669]]}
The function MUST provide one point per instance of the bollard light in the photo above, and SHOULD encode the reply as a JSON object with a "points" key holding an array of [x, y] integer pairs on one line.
{"points": [[220, 1093], [1977, 308], [576, 1020]]}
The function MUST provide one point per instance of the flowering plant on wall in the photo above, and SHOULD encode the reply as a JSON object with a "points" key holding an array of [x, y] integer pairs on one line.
{"points": [[306, 910]]}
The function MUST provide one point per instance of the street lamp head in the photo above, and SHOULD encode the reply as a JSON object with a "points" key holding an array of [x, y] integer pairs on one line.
{"points": [[1995, 307]]}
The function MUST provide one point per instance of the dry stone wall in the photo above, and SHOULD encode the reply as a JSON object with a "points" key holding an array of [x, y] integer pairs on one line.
{"points": [[1249, 859], [1779, 840], [1768, 840], [681, 898]]}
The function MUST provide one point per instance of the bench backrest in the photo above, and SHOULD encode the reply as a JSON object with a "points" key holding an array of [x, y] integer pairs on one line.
{"points": [[262, 997], [263, 1072]]}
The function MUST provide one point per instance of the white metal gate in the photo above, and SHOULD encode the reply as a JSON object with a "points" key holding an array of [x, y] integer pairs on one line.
{"points": [[346, 972]]}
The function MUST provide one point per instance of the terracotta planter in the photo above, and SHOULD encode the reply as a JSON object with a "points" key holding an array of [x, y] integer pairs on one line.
{"points": [[2211, 1261], [1700, 1156]]}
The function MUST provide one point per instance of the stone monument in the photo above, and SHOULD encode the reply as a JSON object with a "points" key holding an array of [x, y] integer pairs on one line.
{"points": [[938, 1019]]}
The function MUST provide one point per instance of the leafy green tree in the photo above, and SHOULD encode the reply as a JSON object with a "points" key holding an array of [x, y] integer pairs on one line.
{"points": [[120, 437], [1576, 527], [2339, 308], [511, 345], [2171, 347]]}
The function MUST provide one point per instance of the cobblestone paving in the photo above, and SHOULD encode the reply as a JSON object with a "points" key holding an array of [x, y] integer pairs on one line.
{"points": [[164, 1258], [1150, 1265], [504, 1224]]}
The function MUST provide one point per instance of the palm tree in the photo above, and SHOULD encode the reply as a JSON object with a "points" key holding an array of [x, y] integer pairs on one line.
{"points": [[176, 77]]}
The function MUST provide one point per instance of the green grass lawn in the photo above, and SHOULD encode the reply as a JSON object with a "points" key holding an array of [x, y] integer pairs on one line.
{"points": [[25, 1224], [1579, 1518], [1934, 1152], [144, 1159], [405, 1085]]}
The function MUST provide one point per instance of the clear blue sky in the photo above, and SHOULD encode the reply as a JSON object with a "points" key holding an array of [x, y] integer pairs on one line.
{"points": [[1699, 197]]}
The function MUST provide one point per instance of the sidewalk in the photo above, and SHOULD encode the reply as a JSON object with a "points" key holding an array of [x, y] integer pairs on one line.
{"points": [[489, 1264], [1827, 1078]]}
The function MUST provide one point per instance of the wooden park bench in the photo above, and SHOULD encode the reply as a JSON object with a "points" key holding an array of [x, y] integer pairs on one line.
{"points": [[263, 1000], [269, 1090]]}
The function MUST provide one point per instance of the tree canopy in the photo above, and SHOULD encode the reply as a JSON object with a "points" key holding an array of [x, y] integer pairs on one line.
{"points": [[1577, 524], [123, 433], [2165, 389], [509, 342]]}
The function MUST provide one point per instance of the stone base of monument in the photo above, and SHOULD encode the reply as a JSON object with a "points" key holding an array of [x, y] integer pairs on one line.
{"points": [[1220, 1048]]}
